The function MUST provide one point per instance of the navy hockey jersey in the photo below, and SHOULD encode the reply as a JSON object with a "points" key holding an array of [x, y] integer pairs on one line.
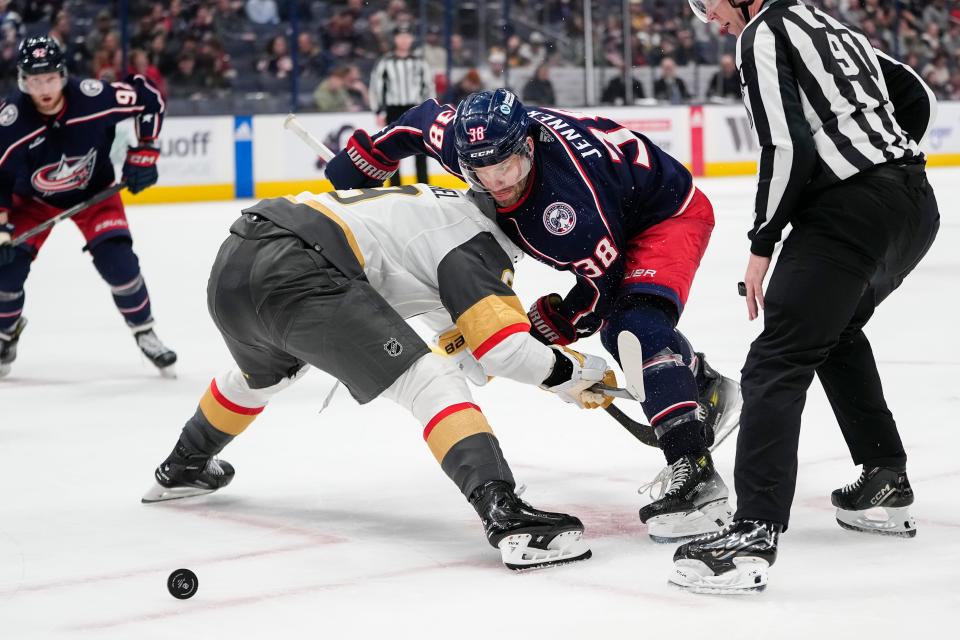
{"points": [[65, 159], [594, 185]]}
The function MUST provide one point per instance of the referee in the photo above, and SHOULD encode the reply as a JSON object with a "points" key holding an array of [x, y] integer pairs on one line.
{"points": [[839, 165], [400, 81]]}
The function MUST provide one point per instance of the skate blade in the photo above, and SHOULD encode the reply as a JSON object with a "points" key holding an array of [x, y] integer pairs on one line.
{"points": [[748, 577], [168, 372], [680, 527], [731, 417], [160, 493], [896, 522], [565, 548], [4, 370]]}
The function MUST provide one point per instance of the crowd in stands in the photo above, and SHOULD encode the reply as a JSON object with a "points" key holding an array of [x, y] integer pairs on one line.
{"points": [[193, 49]]}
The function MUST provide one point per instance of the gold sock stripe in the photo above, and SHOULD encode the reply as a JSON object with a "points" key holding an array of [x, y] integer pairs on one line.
{"points": [[224, 415], [452, 425]]}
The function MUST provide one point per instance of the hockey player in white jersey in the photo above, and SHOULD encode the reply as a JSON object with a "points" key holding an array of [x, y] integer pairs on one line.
{"points": [[328, 280]]}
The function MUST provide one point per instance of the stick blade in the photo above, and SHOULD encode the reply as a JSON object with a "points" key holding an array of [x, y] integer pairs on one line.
{"points": [[631, 361]]}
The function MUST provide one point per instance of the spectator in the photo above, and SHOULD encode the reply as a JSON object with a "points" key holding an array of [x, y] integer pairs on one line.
{"points": [[217, 68], [615, 92], [60, 31], [102, 26], [313, 61], [10, 19], [495, 74], [539, 89], [229, 22], [333, 93], [937, 74], [432, 51], [514, 53], [469, 83], [140, 64], [462, 56], [277, 62], [726, 81], [668, 87], [262, 11], [185, 81]]}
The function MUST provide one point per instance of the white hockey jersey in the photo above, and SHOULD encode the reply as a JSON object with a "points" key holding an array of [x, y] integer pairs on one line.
{"points": [[426, 250]]}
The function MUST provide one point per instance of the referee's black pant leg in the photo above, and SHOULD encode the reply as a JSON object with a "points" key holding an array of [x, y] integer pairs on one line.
{"points": [[849, 375], [808, 303]]}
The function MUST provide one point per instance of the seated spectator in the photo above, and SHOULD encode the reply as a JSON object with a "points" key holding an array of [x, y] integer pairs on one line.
{"points": [[616, 91], [105, 66], [462, 56], [185, 81], [469, 83], [60, 31], [514, 53], [216, 64], [277, 62], [314, 62], [433, 50], [229, 23], [668, 87], [140, 64], [10, 20], [726, 81], [102, 26], [539, 89], [262, 11], [494, 75], [333, 94]]}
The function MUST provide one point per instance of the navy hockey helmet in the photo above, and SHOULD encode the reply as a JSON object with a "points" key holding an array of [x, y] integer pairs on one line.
{"points": [[39, 55], [490, 127]]}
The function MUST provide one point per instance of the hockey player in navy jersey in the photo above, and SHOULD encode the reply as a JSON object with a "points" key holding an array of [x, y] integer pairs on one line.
{"points": [[587, 195], [55, 139]]}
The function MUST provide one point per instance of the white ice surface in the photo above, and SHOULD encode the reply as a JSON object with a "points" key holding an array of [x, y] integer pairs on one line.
{"points": [[342, 524]]}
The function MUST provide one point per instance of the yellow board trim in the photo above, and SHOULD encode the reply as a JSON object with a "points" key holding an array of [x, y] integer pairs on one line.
{"points": [[453, 429], [222, 418], [281, 188], [488, 316], [191, 193], [749, 167], [351, 239], [943, 159]]}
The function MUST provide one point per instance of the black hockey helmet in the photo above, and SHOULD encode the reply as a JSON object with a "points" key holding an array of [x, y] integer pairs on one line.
{"points": [[38, 55], [699, 7]]}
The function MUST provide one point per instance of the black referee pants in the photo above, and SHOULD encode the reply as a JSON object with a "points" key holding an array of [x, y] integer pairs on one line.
{"points": [[393, 114], [850, 247]]}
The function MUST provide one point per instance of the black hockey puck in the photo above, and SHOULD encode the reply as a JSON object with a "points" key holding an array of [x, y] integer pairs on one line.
{"points": [[742, 289], [182, 584]]}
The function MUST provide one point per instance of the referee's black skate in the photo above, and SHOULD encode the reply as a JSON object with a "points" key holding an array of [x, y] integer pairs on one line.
{"points": [[878, 502], [183, 475], [162, 357], [8, 346], [733, 560], [693, 501], [527, 537], [719, 404]]}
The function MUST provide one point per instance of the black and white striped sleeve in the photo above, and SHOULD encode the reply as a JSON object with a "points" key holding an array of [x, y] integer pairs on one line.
{"points": [[377, 86], [788, 153], [914, 103]]}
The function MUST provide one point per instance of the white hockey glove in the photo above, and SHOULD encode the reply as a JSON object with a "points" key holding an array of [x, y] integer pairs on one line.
{"points": [[452, 344], [574, 373]]}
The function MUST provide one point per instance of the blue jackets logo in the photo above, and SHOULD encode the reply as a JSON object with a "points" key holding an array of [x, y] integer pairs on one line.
{"points": [[66, 175], [559, 218]]}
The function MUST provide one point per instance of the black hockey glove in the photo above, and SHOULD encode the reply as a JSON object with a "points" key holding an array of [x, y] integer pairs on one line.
{"points": [[140, 168], [7, 251], [359, 165]]}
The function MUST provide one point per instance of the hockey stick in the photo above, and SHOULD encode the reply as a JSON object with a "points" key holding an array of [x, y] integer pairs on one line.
{"points": [[639, 430], [69, 213], [291, 123]]}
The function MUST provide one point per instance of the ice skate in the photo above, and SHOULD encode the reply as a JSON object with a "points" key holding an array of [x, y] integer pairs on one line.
{"points": [[733, 560], [692, 501], [878, 502], [527, 538], [162, 357], [719, 405], [185, 476], [8, 346]]}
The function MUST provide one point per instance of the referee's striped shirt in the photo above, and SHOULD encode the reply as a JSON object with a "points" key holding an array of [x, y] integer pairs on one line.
{"points": [[399, 82], [819, 103]]}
